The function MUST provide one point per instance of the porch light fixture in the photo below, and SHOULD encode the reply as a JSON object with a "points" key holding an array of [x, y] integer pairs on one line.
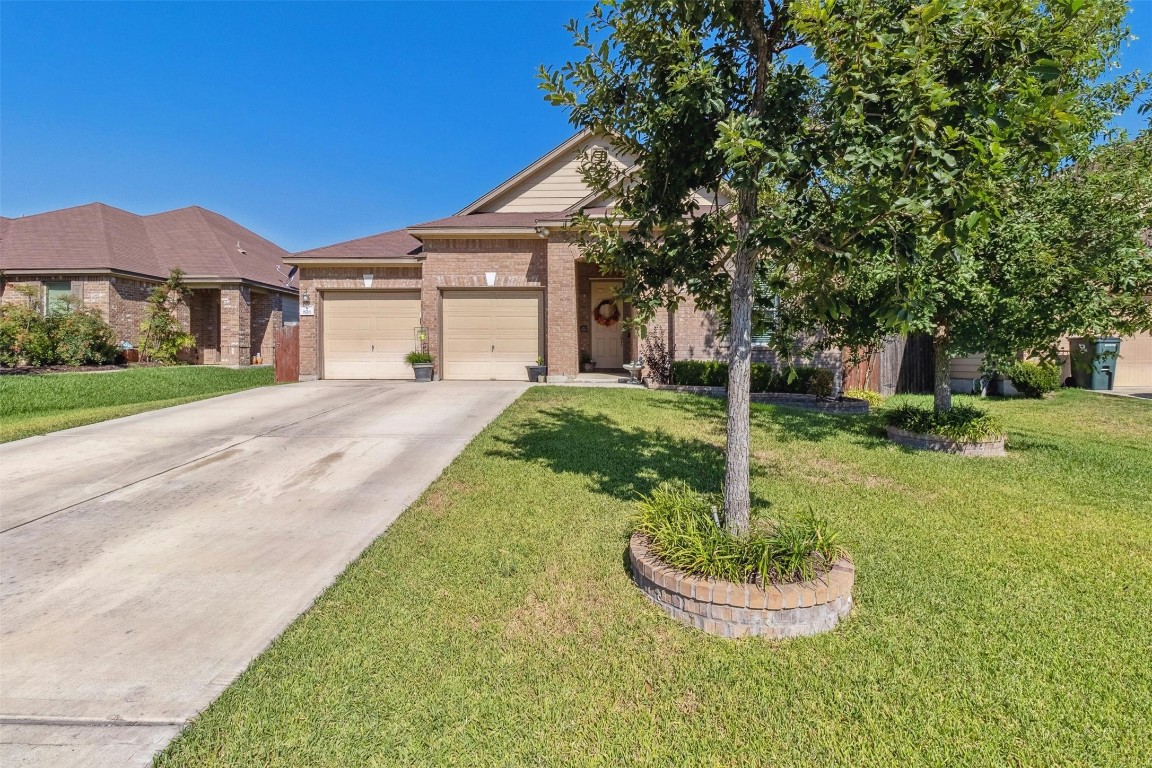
{"points": [[305, 298], [368, 280], [490, 278], [542, 231]]}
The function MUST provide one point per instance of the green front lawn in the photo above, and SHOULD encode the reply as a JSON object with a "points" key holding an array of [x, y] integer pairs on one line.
{"points": [[1003, 616], [38, 404]]}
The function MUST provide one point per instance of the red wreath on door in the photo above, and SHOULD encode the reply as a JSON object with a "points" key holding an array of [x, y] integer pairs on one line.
{"points": [[607, 313]]}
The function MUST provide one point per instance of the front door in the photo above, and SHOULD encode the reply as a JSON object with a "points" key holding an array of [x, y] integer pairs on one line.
{"points": [[607, 328]]}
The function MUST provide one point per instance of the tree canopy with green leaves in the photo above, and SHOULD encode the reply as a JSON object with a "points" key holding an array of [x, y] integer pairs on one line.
{"points": [[843, 147]]}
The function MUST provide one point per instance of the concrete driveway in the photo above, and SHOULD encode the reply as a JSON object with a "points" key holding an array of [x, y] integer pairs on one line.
{"points": [[146, 561]]}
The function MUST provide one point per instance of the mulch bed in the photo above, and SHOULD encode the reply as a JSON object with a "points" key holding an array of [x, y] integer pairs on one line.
{"points": [[20, 370]]}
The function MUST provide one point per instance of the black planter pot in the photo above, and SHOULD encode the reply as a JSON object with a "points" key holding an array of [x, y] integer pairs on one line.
{"points": [[536, 371], [423, 371]]}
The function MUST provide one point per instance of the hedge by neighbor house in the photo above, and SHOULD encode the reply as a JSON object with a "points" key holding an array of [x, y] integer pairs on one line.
{"points": [[765, 378]]}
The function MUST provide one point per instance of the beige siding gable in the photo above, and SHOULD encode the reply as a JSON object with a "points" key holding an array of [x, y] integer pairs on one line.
{"points": [[556, 186]]}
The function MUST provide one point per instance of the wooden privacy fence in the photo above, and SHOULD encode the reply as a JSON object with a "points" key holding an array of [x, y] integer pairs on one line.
{"points": [[287, 354], [903, 365]]}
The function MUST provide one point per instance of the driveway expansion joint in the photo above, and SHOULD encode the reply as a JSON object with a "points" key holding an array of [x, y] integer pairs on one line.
{"points": [[98, 722]]}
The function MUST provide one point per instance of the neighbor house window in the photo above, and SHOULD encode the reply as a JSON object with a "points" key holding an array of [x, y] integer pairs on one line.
{"points": [[56, 296], [291, 310]]}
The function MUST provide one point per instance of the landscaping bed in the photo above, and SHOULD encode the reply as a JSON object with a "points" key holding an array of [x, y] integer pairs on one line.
{"points": [[36, 370], [923, 442], [38, 404], [729, 609], [1000, 610]]}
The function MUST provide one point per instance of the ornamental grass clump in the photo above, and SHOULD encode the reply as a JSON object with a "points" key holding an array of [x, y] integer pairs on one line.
{"points": [[418, 358], [874, 399], [963, 423], [685, 530]]}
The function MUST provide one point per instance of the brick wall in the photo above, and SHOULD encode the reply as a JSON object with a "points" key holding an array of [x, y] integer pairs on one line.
{"points": [[204, 324], [235, 325], [315, 280], [127, 306], [265, 321], [695, 334], [563, 338]]}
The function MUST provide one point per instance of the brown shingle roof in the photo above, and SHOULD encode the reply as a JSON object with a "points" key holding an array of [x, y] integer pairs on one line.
{"points": [[515, 220], [397, 244], [98, 236]]}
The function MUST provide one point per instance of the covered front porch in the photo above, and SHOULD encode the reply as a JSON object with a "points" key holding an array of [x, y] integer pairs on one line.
{"points": [[604, 340]]}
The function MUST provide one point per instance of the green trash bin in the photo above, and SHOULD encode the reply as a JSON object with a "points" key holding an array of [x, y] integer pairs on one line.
{"points": [[1094, 362]]}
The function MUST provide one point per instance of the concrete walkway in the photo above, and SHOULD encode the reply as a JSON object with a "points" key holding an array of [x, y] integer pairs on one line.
{"points": [[146, 561]]}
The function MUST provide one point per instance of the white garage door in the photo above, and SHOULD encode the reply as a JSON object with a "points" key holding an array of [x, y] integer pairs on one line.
{"points": [[490, 334], [1134, 368], [368, 333]]}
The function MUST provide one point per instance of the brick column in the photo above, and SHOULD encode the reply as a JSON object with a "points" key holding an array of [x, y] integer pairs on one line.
{"points": [[562, 340], [235, 325], [309, 327]]}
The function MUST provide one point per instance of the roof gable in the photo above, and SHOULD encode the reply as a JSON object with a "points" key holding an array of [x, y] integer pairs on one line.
{"points": [[552, 184]]}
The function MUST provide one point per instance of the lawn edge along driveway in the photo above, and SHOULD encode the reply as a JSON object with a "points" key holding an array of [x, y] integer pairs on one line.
{"points": [[38, 404]]}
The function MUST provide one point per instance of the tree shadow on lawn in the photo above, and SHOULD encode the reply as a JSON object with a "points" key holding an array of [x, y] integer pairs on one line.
{"points": [[623, 462], [788, 425]]}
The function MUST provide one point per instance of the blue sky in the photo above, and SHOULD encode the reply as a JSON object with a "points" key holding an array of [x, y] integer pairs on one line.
{"points": [[309, 123]]}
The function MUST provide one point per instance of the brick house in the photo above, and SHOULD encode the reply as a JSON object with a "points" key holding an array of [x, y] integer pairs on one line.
{"points": [[486, 291], [111, 259]]}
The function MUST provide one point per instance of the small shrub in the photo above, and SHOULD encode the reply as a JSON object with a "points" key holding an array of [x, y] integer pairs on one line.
{"points": [[418, 358], [162, 338], [764, 378], [874, 399], [81, 336], [1033, 379], [684, 530], [700, 373], [962, 422], [25, 334], [821, 382], [656, 357]]}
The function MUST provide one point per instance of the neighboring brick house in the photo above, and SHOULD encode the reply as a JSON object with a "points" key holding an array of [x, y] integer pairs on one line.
{"points": [[486, 291], [111, 259]]}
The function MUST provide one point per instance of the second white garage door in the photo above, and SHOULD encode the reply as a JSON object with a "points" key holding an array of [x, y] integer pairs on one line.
{"points": [[368, 333], [490, 334], [1134, 368]]}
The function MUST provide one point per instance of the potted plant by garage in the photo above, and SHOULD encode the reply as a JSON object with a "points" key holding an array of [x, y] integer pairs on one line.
{"points": [[538, 370], [587, 364], [421, 364]]}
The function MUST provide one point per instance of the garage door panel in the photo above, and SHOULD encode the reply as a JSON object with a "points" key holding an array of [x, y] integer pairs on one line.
{"points": [[1134, 368], [490, 335], [367, 334]]}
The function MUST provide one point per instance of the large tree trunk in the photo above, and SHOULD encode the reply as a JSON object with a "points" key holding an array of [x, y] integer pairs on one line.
{"points": [[942, 377], [737, 498]]}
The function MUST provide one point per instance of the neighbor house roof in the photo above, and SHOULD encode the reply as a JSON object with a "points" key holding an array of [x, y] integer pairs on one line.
{"points": [[94, 237], [396, 244]]}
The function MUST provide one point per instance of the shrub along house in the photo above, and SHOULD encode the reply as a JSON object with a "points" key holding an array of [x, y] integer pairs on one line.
{"points": [[486, 291], [111, 259]]}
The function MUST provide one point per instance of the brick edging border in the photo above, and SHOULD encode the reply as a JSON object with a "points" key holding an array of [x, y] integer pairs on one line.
{"points": [[921, 442], [742, 610], [846, 405]]}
